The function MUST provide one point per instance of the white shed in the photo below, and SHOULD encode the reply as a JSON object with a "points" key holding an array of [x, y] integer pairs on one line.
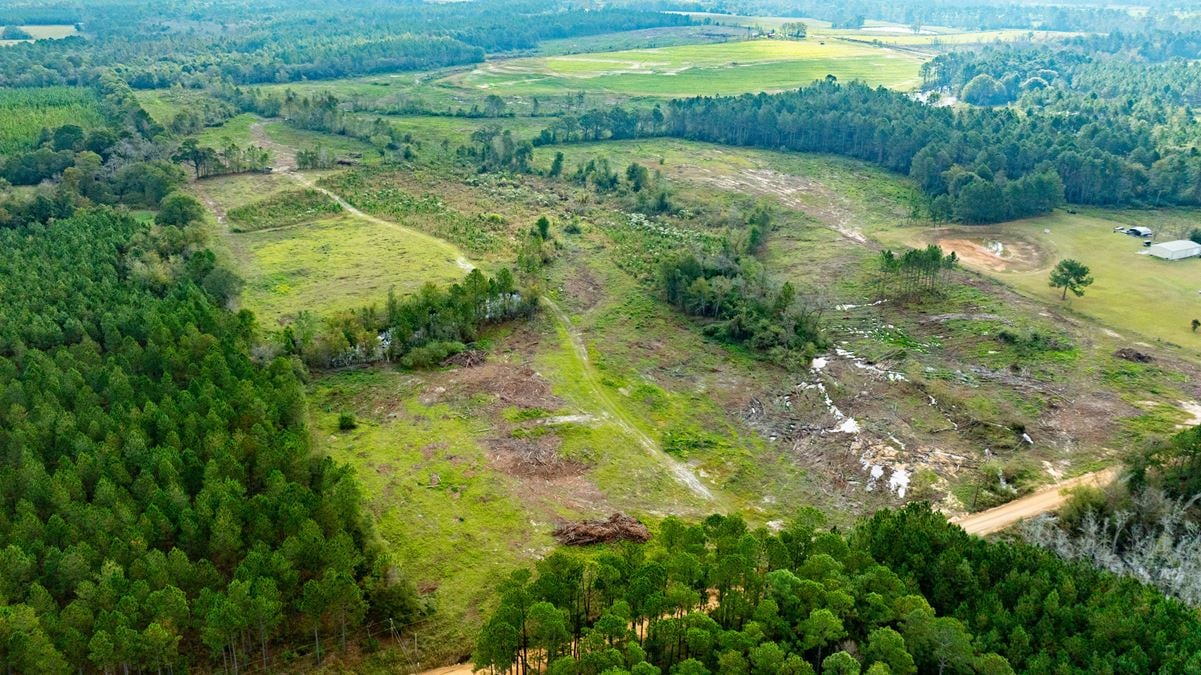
{"points": [[1176, 250]]}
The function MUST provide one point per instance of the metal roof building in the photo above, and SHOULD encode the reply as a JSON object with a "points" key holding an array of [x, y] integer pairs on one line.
{"points": [[1175, 250]]}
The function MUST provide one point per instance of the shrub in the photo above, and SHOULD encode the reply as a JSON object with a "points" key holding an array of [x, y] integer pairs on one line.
{"points": [[431, 354], [346, 422]]}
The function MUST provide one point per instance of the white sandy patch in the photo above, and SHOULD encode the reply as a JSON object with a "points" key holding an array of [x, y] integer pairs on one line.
{"points": [[1194, 409]]}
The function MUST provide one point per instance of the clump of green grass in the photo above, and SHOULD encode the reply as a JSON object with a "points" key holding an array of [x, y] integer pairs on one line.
{"points": [[291, 207]]}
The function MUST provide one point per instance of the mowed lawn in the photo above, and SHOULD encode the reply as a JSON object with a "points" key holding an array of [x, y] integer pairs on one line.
{"points": [[1133, 294], [690, 70]]}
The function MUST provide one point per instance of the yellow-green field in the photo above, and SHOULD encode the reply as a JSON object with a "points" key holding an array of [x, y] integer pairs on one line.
{"points": [[692, 70], [1136, 295], [324, 265], [44, 32], [431, 130], [336, 263]]}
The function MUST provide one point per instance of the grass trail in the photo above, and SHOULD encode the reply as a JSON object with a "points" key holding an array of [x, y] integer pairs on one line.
{"points": [[285, 164], [613, 412]]}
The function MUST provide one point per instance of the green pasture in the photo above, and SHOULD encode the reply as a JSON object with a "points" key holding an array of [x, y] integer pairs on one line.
{"points": [[690, 70], [1134, 294]]}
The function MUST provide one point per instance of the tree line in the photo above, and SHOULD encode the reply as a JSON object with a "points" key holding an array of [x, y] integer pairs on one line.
{"points": [[156, 45], [975, 165], [903, 592], [417, 331], [126, 160], [975, 15], [161, 505]]}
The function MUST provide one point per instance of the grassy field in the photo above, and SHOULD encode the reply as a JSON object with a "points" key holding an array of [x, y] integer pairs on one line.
{"points": [[285, 135], [701, 62], [333, 264], [25, 112], [315, 261], [44, 32], [236, 130], [1134, 294], [431, 130], [687, 70], [163, 105]]}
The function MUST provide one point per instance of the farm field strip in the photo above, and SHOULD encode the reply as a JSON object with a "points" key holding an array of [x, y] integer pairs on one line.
{"points": [[729, 67]]}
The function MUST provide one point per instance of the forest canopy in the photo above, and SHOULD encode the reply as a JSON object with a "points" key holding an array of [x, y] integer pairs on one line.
{"points": [[161, 504]]}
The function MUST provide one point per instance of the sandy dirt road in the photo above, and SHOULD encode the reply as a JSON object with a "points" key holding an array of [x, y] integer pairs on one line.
{"points": [[1043, 501]]}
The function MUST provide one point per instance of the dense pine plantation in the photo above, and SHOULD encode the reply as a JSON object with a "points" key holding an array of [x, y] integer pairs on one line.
{"points": [[160, 506], [902, 593]]}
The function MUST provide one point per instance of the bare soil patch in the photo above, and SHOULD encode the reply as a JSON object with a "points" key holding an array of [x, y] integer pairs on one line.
{"points": [[994, 252], [796, 192], [532, 456], [510, 384], [584, 288]]}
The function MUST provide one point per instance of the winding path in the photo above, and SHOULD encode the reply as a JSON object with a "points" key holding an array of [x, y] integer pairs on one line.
{"points": [[285, 165], [613, 412], [1043, 501]]}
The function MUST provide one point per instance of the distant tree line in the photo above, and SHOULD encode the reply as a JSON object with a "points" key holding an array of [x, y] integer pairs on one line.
{"points": [[973, 15], [157, 46]]}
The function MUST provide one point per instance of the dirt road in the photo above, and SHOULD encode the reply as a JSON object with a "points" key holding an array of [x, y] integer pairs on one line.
{"points": [[613, 412], [1043, 501]]}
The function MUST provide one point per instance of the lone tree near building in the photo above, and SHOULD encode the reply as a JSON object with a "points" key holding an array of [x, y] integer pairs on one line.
{"points": [[1071, 275]]}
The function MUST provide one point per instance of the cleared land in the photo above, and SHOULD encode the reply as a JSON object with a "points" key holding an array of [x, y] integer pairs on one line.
{"points": [[467, 469], [44, 32], [692, 70], [1135, 294]]}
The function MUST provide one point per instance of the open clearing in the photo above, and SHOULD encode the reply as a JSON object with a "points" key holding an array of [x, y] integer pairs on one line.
{"points": [[1136, 295], [325, 264], [44, 32], [468, 469], [335, 263], [692, 70]]}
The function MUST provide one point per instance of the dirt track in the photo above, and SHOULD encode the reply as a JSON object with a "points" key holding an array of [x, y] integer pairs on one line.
{"points": [[612, 412], [1043, 501], [285, 165]]}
